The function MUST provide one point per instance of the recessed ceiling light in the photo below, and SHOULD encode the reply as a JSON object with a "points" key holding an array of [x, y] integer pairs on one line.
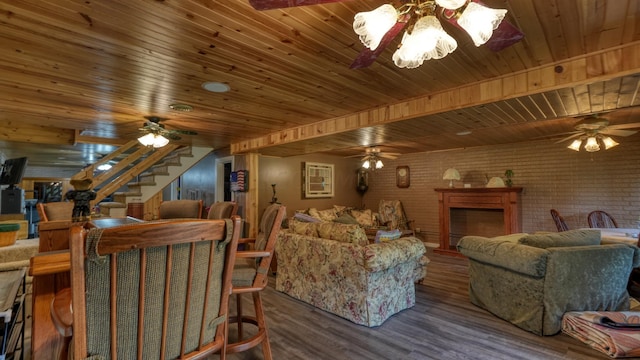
{"points": [[465, 132], [181, 107], [216, 87]]}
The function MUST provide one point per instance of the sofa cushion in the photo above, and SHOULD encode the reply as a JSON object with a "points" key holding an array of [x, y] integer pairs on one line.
{"points": [[324, 215], [348, 233], [562, 239], [346, 219], [364, 217], [382, 236], [303, 227], [305, 218]]}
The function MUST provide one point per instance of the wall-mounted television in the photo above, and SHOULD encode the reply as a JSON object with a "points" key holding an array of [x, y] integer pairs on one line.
{"points": [[13, 171]]}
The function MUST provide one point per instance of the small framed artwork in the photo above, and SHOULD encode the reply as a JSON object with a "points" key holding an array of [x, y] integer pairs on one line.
{"points": [[318, 180], [402, 176]]}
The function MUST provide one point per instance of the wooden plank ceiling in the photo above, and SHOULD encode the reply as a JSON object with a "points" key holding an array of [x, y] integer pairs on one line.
{"points": [[79, 76]]}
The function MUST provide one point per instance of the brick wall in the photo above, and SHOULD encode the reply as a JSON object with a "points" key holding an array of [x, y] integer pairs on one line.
{"points": [[574, 183]]}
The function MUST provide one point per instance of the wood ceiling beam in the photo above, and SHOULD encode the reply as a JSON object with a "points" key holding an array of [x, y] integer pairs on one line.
{"points": [[38, 134], [581, 70]]}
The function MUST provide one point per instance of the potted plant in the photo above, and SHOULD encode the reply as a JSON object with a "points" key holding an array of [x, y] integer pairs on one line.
{"points": [[508, 174]]}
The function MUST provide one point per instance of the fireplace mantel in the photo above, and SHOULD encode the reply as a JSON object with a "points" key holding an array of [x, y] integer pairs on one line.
{"points": [[506, 199]]}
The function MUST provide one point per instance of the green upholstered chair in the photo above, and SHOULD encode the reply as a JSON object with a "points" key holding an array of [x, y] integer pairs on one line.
{"points": [[531, 280], [180, 209], [222, 210], [151, 289], [250, 275]]}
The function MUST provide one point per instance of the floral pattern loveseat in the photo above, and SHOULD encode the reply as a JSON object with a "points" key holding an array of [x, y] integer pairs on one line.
{"points": [[333, 267]]}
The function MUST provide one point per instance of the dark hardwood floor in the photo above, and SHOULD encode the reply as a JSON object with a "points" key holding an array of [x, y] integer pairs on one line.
{"points": [[443, 325]]}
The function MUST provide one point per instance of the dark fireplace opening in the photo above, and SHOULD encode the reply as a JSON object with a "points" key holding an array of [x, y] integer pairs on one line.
{"points": [[480, 222]]}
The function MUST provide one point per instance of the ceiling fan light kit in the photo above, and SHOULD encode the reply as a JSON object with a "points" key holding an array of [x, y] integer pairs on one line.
{"points": [[593, 131], [593, 143], [425, 39], [155, 140]]}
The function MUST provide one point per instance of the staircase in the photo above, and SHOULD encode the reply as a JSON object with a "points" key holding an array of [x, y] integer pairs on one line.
{"points": [[143, 172]]}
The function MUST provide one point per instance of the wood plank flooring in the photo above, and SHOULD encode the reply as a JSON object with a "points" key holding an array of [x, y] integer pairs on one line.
{"points": [[443, 325]]}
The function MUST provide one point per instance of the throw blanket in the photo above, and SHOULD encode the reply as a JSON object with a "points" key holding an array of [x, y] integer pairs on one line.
{"points": [[616, 334]]}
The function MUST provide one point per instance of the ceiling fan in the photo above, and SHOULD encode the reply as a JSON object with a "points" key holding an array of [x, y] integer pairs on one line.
{"points": [[594, 129], [373, 156], [425, 38], [156, 135]]}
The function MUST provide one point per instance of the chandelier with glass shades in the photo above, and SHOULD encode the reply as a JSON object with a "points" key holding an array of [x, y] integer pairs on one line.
{"points": [[425, 39]]}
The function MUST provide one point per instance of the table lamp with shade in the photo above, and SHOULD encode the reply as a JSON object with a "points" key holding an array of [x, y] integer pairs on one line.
{"points": [[451, 174]]}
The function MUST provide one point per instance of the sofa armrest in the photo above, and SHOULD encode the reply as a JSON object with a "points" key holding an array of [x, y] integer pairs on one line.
{"points": [[504, 252], [388, 254]]}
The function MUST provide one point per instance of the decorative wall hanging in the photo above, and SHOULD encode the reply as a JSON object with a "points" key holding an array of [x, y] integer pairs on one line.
{"points": [[318, 180], [239, 180]]}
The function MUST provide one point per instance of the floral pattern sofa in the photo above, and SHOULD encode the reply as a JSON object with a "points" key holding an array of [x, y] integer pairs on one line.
{"points": [[333, 267]]}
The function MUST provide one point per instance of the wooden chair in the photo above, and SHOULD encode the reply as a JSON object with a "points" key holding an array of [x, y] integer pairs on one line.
{"points": [[149, 290], [222, 210], [53, 211], [250, 275], [601, 219], [559, 220], [180, 209]]}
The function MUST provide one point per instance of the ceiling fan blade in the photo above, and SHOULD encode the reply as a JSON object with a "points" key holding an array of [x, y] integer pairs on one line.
{"points": [[368, 56], [389, 156], [577, 134], [616, 132], [504, 36], [183, 132], [279, 4], [624, 126], [170, 135]]}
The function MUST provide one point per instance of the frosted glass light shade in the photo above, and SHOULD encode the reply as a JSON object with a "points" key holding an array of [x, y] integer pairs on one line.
{"points": [[592, 144], [427, 41], [575, 145], [373, 25], [609, 142], [157, 141], [160, 141], [480, 21], [379, 164], [365, 164], [146, 140], [451, 4]]}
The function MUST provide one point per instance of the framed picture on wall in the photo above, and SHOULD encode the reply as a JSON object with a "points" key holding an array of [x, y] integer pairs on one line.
{"points": [[318, 180], [402, 176]]}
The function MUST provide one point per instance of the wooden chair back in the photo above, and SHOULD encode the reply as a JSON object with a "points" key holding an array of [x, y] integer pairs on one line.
{"points": [[601, 219], [180, 209], [222, 210], [559, 220], [53, 211], [152, 290], [250, 275]]}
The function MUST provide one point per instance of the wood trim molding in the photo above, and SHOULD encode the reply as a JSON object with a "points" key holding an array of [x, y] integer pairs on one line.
{"points": [[596, 66]]}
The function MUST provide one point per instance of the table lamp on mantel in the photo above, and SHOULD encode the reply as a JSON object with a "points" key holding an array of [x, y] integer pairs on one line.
{"points": [[451, 174]]}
